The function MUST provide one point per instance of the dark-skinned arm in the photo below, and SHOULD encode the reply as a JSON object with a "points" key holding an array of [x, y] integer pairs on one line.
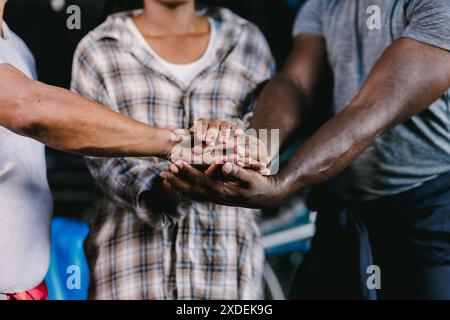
{"points": [[67, 121], [287, 100], [408, 77]]}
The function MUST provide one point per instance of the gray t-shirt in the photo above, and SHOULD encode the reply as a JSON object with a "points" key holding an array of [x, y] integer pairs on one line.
{"points": [[415, 151]]}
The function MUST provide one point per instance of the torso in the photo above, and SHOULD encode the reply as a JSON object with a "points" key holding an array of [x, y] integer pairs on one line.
{"points": [[26, 203]]}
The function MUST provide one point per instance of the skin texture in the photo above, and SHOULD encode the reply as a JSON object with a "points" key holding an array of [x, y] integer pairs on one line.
{"points": [[69, 122], [408, 77]]}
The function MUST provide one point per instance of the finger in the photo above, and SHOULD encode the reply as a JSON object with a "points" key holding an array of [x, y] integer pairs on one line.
{"points": [[180, 135], [199, 178], [240, 150], [237, 129], [225, 131], [213, 132], [199, 149], [219, 159], [254, 165], [208, 158], [237, 173], [212, 168], [265, 172], [179, 152], [233, 158], [181, 186], [174, 169], [200, 129]]}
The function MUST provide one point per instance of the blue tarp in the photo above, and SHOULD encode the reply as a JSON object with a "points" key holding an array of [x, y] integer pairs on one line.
{"points": [[68, 276]]}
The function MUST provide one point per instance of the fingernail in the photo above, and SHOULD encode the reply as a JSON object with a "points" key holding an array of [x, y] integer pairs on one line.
{"points": [[179, 164], [265, 172], [227, 168], [163, 175]]}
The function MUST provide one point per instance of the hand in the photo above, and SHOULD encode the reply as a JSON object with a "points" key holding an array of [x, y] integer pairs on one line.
{"points": [[199, 153], [250, 152], [245, 188], [254, 153], [245, 150], [208, 130]]}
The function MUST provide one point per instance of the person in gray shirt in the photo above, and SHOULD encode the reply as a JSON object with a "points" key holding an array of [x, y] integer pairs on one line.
{"points": [[384, 157]]}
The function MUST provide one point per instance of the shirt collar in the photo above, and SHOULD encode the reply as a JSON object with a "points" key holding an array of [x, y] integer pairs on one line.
{"points": [[228, 25], [6, 31]]}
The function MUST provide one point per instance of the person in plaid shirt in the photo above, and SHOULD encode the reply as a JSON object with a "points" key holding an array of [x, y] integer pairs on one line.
{"points": [[146, 243]]}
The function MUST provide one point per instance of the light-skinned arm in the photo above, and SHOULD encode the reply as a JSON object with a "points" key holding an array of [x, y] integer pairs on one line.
{"points": [[67, 121]]}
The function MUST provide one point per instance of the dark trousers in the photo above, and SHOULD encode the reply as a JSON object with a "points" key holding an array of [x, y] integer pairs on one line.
{"points": [[407, 236]]}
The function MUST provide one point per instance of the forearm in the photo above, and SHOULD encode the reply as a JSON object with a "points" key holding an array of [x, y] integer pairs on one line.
{"points": [[407, 79], [69, 122], [278, 107], [288, 100], [332, 148]]}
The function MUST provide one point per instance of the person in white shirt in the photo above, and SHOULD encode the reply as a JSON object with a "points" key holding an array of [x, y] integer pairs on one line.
{"points": [[26, 209], [65, 121]]}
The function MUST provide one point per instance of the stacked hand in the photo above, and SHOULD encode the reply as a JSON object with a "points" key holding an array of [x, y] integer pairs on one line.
{"points": [[217, 142]]}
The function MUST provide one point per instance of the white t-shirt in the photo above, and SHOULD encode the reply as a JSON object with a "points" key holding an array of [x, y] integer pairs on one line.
{"points": [[25, 199], [184, 73]]}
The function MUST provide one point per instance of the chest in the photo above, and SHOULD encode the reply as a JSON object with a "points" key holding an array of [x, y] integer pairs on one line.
{"points": [[179, 49], [146, 92]]}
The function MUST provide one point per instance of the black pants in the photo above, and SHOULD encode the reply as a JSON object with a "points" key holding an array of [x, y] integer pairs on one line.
{"points": [[407, 236]]}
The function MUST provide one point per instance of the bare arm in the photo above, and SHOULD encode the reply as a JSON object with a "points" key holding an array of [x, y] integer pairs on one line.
{"points": [[408, 77], [66, 121], [406, 80], [287, 100]]}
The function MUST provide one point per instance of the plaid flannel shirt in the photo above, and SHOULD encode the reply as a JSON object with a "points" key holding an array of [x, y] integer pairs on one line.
{"points": [[198, 250]]}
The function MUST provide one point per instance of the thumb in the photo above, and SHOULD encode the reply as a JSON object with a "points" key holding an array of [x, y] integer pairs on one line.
{"points": [[237, 173]]}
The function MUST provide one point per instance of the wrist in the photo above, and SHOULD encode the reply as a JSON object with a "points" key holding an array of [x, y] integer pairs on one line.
{"points": [[283, 186], [273, 194], [162, 139]]}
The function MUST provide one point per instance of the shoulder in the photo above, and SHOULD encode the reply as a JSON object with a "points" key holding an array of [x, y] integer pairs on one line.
{"points": [[105, 35], [227, 18], [429, 6]]}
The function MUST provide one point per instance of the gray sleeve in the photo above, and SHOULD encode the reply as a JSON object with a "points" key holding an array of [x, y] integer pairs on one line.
{"points": [[309, 19], [429, 22]]}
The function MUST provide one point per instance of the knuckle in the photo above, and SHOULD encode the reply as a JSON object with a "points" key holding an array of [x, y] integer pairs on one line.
{"points": [[200, 180]]}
